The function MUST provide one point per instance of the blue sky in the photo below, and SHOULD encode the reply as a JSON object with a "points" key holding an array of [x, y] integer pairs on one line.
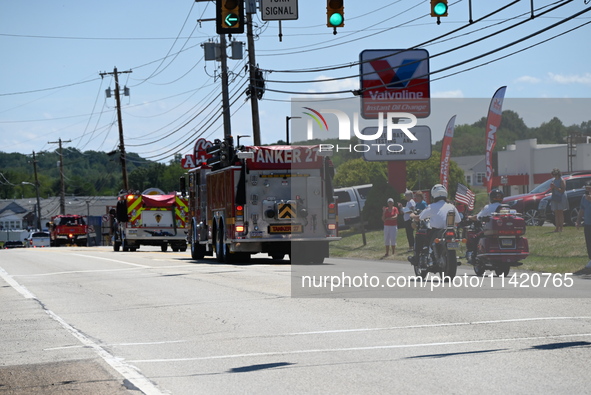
{"points": [[53, 52]]}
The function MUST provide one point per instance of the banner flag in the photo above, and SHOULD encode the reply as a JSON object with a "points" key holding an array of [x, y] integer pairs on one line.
{"points": [[493, 122], [446, 152]]}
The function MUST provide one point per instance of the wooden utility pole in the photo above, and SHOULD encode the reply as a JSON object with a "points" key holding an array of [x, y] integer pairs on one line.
{"points": [[63, 185], [37, 192], [252, 67], [122, 158]]}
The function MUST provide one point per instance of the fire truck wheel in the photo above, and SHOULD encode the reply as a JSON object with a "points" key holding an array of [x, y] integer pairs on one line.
{"points": [[197, 250], [164, 247], [124, 246]]}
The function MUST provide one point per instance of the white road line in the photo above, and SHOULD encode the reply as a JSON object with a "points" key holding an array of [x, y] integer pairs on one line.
{"points": [[118, 345], [129, 372], [393, 346], [12, 282], [112, 260], [436, 325]]}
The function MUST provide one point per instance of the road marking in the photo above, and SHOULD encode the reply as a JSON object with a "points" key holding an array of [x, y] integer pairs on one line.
{"points": [[129, 372], [437, 325], [393, 346], [112, 260], [118, 344], [14, 284]]}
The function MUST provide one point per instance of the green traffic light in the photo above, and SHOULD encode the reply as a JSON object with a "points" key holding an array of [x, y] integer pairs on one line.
{"points": [[440, 9], [335, 19], [231, 20]]}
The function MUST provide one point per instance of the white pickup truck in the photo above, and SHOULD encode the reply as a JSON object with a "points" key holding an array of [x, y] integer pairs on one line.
{"points": [[351, 201]]}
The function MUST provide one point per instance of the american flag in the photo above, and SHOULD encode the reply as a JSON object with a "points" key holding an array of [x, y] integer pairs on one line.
{"points": [[465, 196]]}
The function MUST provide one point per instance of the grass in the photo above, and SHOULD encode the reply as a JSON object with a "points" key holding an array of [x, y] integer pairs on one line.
{"points": [[549, 252]]}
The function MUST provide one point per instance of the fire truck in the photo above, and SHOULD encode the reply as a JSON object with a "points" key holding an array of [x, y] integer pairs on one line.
{"points": [[261, 199], [151, 218], [67, 230]]}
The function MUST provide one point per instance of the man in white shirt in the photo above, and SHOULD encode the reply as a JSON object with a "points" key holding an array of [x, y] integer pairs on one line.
{"points": [[436, 212]]}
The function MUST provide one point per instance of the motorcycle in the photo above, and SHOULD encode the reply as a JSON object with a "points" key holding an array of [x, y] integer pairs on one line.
{"points": [[497, 243], [439, 255]]}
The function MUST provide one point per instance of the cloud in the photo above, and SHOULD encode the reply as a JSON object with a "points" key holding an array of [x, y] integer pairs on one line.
{"points": [[347, 84], [571, 79], [528, 79], [457, 94]]}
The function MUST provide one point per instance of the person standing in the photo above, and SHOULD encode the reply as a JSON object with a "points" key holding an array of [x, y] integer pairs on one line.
{"points": [[585, 214], [408, 209], [558, 200], [390, 219], [420, 201]]}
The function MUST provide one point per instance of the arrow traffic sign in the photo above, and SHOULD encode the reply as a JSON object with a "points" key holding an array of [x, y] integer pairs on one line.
{"points": [[231, 20]]}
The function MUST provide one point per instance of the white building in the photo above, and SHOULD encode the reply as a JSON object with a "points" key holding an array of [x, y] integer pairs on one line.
{"points": [[526, 163]]}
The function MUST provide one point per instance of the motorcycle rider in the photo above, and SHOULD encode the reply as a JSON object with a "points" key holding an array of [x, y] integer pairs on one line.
{"points": [[436, 212], [495, 198]]}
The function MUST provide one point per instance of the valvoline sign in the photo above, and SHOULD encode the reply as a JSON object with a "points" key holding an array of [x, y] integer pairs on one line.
{"points": [[395, 80]]}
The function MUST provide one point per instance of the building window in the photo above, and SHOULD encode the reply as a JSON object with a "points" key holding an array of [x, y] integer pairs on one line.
{"points": [[469, 180], [480, 178]]}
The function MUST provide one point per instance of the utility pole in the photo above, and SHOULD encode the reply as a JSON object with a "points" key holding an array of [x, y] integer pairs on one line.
{"points": [[254, 101], [225, 94], [63, 192], [122, 158], [37, 192]]}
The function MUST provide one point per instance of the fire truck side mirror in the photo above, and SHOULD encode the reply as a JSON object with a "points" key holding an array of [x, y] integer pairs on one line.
{"points": [[183, 185]]}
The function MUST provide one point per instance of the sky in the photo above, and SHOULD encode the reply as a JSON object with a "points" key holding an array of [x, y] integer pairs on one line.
{"points": [[53, 54]]}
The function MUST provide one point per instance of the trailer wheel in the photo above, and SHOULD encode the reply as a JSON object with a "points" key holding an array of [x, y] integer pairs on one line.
{"points": [[164, 247], [116, 246]]}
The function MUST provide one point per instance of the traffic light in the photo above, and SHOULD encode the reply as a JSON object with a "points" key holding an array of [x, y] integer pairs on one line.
{"points": [[335, 13], [438, 8], [229, 17], [215, 152]]}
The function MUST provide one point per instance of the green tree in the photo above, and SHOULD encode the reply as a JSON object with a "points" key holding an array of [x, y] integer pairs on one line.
{"points": [[376, 200], [358, 172]]}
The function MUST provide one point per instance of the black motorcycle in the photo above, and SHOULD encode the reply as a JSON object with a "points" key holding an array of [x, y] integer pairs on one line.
{"points": [[439, 253]]}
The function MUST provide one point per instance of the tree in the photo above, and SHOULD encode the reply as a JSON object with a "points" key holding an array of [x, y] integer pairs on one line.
{"points": [[358, 172], [376, 200]]}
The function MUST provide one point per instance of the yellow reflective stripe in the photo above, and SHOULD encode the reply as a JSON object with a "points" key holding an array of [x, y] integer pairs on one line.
{"points": [[135, 203]]}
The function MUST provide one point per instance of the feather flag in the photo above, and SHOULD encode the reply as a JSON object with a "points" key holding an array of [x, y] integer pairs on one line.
{"points": [[493, 122], [446, 152]]}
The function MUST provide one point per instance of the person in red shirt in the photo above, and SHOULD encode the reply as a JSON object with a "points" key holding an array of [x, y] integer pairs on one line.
{"points": [[390, 219]]}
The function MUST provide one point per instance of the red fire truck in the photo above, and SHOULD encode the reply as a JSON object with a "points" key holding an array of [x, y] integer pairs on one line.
{"points": [[150, 218], [271, 199], [68, 230]]}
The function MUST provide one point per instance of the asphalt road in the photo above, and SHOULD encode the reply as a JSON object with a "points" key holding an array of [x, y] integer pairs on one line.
{"points": [[92, 321]]}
